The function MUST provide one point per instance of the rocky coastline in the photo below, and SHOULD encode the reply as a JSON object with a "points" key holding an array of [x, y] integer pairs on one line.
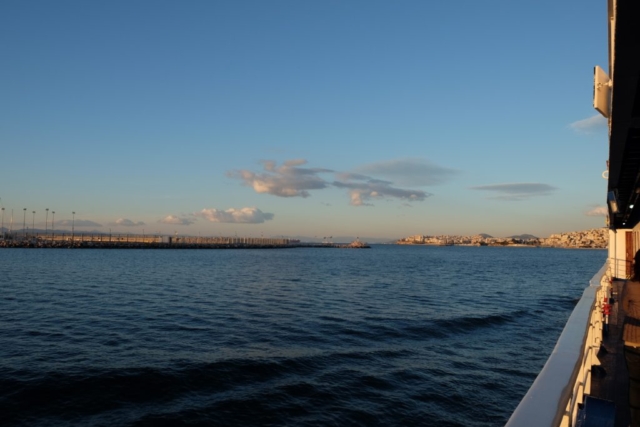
{"points": [[596, 238]]}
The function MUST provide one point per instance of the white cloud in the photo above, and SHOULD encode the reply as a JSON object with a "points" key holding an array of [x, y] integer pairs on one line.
{"points": [[598, 211], [176, 220], [77, 223], [517, 191], [241, 216], [126, 223], [292, 180], [409, 172], [361, 193], [287, 180], [590, 124]]}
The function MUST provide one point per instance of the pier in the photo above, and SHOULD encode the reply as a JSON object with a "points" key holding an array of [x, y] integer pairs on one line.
{"points": [[146, 241], [122, 241]]}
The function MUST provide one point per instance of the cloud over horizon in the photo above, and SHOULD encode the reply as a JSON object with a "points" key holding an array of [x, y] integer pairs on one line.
{"points": [[238, 216], [126, 223], [176, 220], [77, 223], [287, 180], [409, 172], [516, 191], [588, 125], [368, 188], [292, 180], [598, 211]]}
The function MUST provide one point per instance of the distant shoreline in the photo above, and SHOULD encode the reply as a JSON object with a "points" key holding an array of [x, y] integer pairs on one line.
{"points": [[40, 244], [503, 246], [596, 238]]}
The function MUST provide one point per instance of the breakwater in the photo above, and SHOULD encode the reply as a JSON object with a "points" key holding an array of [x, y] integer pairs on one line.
{"points": [[132, 241]]}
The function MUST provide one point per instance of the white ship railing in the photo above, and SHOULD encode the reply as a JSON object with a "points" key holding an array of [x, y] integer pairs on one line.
{"points": [[621, 267], [553, 399]]}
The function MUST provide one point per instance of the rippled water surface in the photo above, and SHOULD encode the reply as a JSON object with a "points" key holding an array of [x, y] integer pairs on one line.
{"points": [[393, 335]]}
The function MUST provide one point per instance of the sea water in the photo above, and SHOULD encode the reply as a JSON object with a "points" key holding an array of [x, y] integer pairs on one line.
{"points": [[392, 335]]}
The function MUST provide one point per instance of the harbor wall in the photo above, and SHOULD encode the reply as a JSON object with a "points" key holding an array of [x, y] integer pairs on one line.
{"points": [[135, 240]]}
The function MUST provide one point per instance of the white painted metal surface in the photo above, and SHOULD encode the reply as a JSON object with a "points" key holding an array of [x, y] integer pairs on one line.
{"points": [[601, 91]]}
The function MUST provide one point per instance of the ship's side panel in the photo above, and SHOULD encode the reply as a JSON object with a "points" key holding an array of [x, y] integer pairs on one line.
{"points": [[617, 254], [624, 244], [612, 254]]}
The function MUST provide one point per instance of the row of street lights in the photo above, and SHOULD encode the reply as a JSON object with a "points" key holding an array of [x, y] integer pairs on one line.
{"points": [[33, 221]]}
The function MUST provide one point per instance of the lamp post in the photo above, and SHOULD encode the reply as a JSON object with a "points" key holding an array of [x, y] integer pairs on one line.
{"points": [[2, 227], [46, 221], [24, 221], [53, 219], [33, 223], [73, 222]]}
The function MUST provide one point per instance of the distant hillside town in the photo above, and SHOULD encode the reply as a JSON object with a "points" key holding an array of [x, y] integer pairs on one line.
{"points": [[596, 238]]}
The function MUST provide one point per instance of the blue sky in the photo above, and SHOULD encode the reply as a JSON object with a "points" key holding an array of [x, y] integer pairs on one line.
{"points": [[317, 118]]}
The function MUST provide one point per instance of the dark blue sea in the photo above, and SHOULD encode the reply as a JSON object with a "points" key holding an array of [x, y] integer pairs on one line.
{"points": [[388, 336]]}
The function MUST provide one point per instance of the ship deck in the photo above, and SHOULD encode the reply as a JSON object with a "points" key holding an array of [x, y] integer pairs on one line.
{"points": [[613, 381]]}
